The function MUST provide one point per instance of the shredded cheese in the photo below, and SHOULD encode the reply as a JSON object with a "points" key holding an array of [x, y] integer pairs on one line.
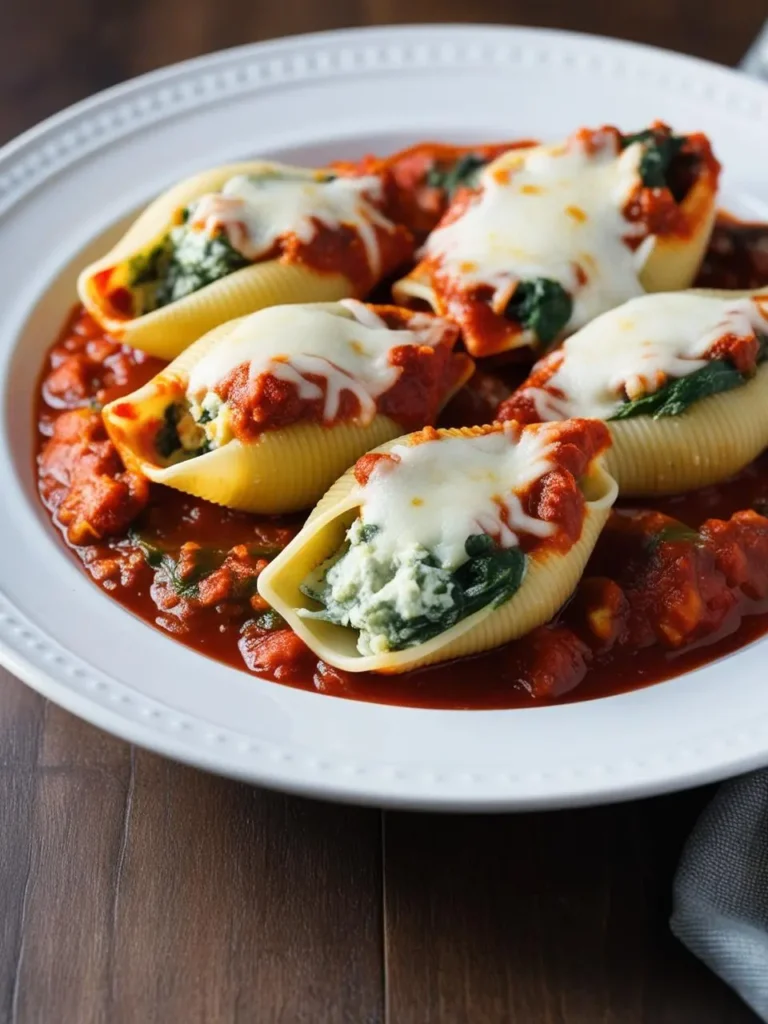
{"points": [[631, 351], [294, 342], [554, 212], [256, 211], [440, 492]]}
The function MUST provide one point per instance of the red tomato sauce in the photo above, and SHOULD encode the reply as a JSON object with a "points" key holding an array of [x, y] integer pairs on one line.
{"points": [[428, 374], [656, 599]]}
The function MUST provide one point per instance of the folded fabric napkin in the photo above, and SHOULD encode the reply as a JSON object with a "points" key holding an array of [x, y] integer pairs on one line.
{"points": [[755, 60], [721, 889], [721, 886]]}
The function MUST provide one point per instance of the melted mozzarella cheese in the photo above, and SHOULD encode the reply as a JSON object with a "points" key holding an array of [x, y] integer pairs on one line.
{"points": [[256, 211], [552, 212], [293, 342], [632, 350], [441, 492]]}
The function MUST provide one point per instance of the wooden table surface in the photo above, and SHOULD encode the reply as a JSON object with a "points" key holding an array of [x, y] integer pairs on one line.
{"points": [[136, 890]]}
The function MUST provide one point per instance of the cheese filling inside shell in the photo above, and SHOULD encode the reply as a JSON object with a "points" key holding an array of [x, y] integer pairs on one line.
{"points": [[224, 231], [440, 536]]}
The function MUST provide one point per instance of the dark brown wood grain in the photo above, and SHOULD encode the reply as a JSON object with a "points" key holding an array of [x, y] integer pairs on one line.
{"points": [[557, 918], [136, 890], [57, 52]]}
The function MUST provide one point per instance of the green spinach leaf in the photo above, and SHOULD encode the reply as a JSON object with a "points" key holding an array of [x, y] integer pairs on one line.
{"points": [[165, 564], [462, 173], [167, 440], [195, 262], [207, 560], [270, 621], [676, 396], [491, 576], [659, 150], [542, 306], [674, 533]]}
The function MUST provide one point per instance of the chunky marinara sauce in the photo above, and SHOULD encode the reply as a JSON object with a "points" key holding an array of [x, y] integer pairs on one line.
{"points": [[670, 586]]}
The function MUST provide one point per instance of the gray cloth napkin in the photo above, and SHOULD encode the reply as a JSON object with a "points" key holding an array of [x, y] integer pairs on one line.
{"points": [[755, 60], [721, 889]]}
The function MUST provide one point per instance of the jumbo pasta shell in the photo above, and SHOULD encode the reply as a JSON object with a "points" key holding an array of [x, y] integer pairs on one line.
{"points": [[674, 260], [165, 332], [671, 265], [549, 580], [415, 287], [714, 439], [282, 470]]}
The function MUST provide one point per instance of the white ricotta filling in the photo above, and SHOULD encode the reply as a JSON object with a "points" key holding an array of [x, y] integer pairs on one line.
{"points": [[368, 587], [415, 518]]}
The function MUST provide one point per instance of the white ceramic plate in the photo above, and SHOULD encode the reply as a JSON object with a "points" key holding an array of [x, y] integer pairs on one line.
{"points": [[68, 184]]}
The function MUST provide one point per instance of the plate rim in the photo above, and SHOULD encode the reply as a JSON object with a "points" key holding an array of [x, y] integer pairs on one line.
{"points": [[17, 181]]}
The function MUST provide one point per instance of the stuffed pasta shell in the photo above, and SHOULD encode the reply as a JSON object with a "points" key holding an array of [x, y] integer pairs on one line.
{"points": [[552, 236], [681, 379], [239, 238], [264, 412], [444, 543]]}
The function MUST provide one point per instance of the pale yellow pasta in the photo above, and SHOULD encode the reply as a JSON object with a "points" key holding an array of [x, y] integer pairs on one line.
{"points": [[166, 331], [549, 580], [282, 470], [712, 440], [674, 261]]}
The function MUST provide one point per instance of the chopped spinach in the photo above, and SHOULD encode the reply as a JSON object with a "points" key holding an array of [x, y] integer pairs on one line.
{"points": [[196, 261], [491, 576], [542, 306], [149, 267], [402, 632], [659, 151], [676, 396], [673, 533], [167, 566], [167, 440], [462, 173], [270, 621], [181, 264], [207, 560]]}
